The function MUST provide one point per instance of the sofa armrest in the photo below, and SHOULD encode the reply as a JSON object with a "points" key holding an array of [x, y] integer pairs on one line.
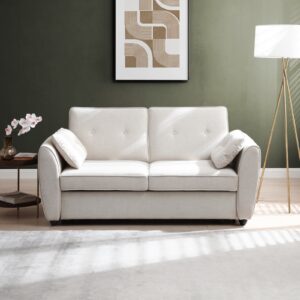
{"points": [[49, 169], [247, 166]]}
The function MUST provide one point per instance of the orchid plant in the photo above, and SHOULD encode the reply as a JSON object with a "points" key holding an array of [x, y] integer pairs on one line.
{"points": [[30, 121]]}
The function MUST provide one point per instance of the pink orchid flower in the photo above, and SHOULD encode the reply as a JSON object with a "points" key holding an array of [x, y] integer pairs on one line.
{"points": [[33, 119], [24, 130], [14, 123], [30, 121], [24, 122], [8, 130], [39, 119]]}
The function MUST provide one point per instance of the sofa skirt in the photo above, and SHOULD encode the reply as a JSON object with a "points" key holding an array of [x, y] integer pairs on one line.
{"points": [[112, 205]]}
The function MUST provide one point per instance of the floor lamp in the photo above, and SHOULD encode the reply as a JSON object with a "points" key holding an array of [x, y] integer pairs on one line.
{"points": [[280, 41]]}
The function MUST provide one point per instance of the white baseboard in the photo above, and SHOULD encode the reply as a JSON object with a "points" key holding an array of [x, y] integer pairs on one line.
{"points": [[269, 173], [281, 173]]}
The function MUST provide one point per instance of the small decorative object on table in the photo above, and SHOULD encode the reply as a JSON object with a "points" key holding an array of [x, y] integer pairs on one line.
{"points": [[8, 151], [30, 121], [19, 199]]}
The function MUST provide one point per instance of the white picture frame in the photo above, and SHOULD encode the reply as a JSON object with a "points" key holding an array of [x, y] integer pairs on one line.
{"points": [[151, 40]]}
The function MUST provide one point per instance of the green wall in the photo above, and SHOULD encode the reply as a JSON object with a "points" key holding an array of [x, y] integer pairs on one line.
{"points": [[55, 54]]}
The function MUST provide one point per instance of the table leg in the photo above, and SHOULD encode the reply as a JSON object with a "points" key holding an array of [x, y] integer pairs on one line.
{"points": [[38, 186], [37, 194], [18, 187], [18, 180], [37, 208]]}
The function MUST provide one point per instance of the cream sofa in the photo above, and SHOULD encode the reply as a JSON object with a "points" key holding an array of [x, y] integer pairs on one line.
{"points": [[149, 164]]}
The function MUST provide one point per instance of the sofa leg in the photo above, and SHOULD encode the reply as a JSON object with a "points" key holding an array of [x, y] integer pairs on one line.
{"points": [[241, 222], [55, 223]]}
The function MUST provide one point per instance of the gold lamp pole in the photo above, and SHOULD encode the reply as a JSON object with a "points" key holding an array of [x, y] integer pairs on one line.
{"points": [[262, 34]]}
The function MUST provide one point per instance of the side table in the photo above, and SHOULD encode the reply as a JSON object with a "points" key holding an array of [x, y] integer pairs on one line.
{"points": [[20, 163]]}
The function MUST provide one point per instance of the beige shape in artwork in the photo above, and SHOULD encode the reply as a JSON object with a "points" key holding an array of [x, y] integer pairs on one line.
{"points": [[169, 20], [146, 5], [136, 30], [170, 2], [168, 5], [162, 57], [136, 56]]}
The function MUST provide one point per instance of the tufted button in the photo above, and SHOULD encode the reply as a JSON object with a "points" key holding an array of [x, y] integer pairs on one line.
{"points": [[125, 132], [175, 132], [93, 131], [207, 131]]}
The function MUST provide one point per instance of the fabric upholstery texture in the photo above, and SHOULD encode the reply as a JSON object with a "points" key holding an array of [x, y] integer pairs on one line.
{"points": [[185, 133], [247, 167], [148, 205], [70, 147], [176, 179], [226, 151], [50, 167], [111, 133], [191, 176], [106, 175]]}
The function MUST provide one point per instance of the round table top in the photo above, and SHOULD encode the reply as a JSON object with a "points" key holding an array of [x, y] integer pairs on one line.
{"points": [[18, 162]]}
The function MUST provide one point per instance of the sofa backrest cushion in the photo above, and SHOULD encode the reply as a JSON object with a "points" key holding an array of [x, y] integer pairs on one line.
{"points": [[185, 133], [111, 133]]}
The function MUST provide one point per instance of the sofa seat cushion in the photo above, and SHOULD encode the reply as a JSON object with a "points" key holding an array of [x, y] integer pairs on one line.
{"points": [[191, 176], [110, 175]]}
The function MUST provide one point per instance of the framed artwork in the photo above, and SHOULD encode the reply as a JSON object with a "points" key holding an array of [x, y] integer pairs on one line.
{"points": [[151, 40]]}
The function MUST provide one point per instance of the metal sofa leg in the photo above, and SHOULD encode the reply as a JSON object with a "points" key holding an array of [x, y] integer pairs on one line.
{"points": [[55, 223], [241, 222]]}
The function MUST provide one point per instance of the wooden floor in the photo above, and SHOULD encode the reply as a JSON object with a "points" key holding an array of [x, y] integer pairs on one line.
{"points": [[271, 211]]}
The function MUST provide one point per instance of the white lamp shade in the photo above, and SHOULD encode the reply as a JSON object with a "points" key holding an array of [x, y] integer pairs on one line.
{"points": [[277, 41]]}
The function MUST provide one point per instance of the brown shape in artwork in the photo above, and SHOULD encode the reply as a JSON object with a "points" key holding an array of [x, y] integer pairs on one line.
{"points": [[128, 35], [146, 17], [130, 62], [176, 13], [149, 43], [138, 51], [156, 64], [169, 20], [156, 6], [159, 33], [145, 5]]}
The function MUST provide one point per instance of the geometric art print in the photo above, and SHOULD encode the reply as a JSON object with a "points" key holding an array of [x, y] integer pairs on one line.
{"points": [[151, 39], [152, 35]]}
